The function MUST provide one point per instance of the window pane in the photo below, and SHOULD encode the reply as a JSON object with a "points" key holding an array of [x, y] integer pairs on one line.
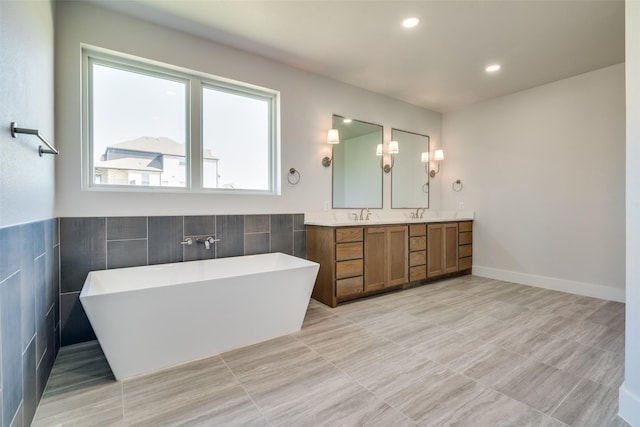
{"points": [[139, 128], [236, 140]]}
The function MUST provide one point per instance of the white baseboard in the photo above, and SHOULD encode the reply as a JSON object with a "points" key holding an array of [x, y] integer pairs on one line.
{"points": [[570, 286], [629, 406]]}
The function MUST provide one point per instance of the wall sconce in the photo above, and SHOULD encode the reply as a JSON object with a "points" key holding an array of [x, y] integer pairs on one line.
{"points": [[438, 156], [333, 138], [393, 150]]}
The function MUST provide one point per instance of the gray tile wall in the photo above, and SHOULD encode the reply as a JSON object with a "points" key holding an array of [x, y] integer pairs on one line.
{"points": [[29, 313], [103, 243]]}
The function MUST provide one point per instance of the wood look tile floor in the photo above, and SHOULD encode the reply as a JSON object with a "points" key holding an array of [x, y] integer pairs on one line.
{"points": [[466, 352]]}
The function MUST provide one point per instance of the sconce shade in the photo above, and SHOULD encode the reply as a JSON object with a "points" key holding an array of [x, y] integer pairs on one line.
{"points": [[379, 150], [333, 137], [393, 147], [438, 155], [425, 157]]}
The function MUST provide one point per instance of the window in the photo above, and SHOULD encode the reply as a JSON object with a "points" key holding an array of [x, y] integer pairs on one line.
{"points": [[151, 126]]}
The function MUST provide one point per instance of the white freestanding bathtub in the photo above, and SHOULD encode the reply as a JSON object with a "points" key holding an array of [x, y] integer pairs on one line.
{"points": [[153, 317]]}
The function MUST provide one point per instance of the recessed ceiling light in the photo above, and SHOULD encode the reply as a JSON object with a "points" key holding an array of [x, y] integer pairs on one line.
{"points": [[410, 22], [346, 120], [492, 68]]}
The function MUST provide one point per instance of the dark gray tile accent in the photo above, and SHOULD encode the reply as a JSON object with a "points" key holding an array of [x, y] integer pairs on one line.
{"points": [[9, 253], [41, 380], [49, 234], [39, 237], [28, 292], [127, 227], [50, 354], [126, 253], [256, 243], [73, 320], [197, 251], [230, 231], [256, 224], [300, 244], [32, 291], [282, 233], [50, 272], [29, 384], [298, 222], [82, 249], [17, 419], [165, 235], [56, 231], [41, 307], [56, 283], [200, 225], [11, 338]]}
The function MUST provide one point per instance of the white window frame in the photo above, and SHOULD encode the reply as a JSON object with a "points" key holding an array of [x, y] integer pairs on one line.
{"points": [[195, 83]]}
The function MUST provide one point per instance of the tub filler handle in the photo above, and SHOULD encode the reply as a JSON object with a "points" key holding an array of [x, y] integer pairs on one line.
{"points": [[208, 241], [187, 241]]}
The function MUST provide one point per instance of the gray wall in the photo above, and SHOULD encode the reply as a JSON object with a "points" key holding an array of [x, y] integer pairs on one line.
{"points": [[98, 243], [544, 169], [28, 242]]}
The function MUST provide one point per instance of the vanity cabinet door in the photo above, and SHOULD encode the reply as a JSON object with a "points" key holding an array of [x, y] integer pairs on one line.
{"points": [[385, 257], [374, 258], [442, 249], [397, 251]]}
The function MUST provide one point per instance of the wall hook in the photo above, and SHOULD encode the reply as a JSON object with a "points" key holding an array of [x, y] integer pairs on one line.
{"points": [[15, 129]]}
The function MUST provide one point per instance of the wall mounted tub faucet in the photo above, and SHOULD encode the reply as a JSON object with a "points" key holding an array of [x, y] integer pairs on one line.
{"points": [[207, 242]]}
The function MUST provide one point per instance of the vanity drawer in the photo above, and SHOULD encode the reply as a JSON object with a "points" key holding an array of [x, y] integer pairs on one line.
{"points": [[417, 230], [464, 251], [351, 234], [464, 226], [417, 258], [351, 286], [417, 243], [464, 263], [464, 238], [347, 251], [346, 269], [417, 273]]}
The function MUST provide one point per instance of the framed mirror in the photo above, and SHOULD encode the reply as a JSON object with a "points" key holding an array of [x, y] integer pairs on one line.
{"points": [[357, 176], [410, 176]]}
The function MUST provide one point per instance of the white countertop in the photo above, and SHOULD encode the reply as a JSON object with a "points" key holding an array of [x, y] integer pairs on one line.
{"points": [[341, 218]]}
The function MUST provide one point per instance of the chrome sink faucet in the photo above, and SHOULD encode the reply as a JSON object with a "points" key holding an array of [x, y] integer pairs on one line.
{"points": [[362, 217], [417, 214], [207, 242]]}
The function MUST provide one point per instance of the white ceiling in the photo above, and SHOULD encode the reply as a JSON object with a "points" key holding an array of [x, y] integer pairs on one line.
{"points": [[438, 65]]}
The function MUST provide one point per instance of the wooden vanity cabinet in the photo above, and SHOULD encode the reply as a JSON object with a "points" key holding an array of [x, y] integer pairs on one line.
{"points": [[363, 260], [442, 249]]}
